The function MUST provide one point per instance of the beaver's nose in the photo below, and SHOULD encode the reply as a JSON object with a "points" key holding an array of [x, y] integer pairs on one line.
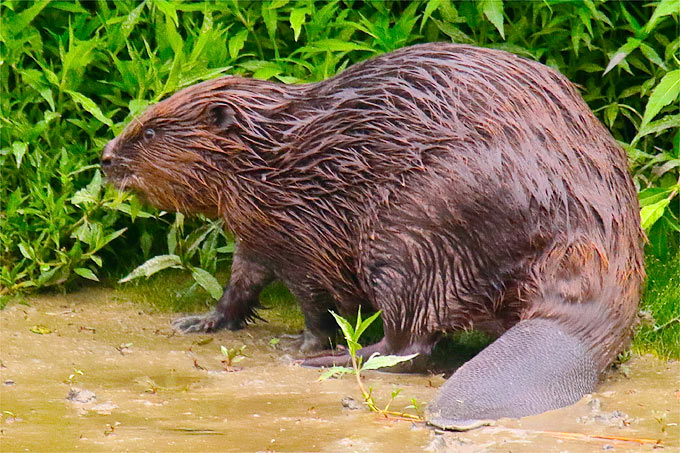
{"points": [[107, 156]]}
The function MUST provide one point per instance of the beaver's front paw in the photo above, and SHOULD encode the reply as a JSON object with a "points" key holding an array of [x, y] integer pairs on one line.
{"points": [[208, 322]]}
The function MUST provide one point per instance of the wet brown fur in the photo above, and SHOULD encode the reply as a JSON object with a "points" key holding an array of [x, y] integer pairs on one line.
{"points": [[448, 185]]}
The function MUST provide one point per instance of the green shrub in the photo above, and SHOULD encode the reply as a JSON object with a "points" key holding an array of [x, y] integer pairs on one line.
{"points": [[73, 73]]}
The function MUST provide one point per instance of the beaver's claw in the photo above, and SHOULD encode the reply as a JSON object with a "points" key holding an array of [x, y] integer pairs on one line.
{"points": [[208, 322]]}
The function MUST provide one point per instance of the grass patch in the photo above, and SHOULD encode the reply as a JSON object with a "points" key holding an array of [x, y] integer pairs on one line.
{"points": [[280, 305], [170, 291], [175, 291], [660, 335]]}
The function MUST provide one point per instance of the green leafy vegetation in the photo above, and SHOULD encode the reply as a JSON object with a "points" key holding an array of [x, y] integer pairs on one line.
{"points": [[374, 362], [232, 356], [72, 74], [201, 242]]}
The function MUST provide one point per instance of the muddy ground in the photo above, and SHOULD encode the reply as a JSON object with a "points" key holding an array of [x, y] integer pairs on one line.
{"points": [[91, 372]]}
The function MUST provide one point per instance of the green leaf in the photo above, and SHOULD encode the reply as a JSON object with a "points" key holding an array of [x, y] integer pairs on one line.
{"points": [[173, 37], [270, 18], [109, 237], [131, 20], [664, 8], [133, 212], [205, 35], [237, 42], [65, 5], [586, 19], [207, 282], [41, 329], [97, 260], [297, 19], [493, 10], [82, 196], [168, 10], [86, 273], [666, 91], [654, 127], [172, 83], [377, 361], [621, 54], [651, 213], [610, 114], [49, 277], [337, 45], [19, 150], [363, 325], [666, 167], [194, 240], [653, 195], [348, 331], [345, 326], [89, 105], [267, 73], [229, 248], [80, 55], [150, 267], [431, 7], [651, 55], [635, 25], [21, 20], [589, 67], [95, 185], [46, 93], [193, 77], [335, 371], [26, 250], [453, 32]]}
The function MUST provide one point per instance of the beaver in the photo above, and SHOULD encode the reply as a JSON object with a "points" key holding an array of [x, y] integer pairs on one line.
{"points": [[447, 185]]}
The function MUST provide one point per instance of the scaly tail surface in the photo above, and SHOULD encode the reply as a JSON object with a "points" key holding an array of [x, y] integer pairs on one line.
{"points": [[532, 368]]}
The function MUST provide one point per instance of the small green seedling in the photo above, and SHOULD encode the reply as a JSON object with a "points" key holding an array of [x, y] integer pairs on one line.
{"points": [[233, 355], [151, 386], [41, 330], [417, 407], [374, 362], [72, 377]]}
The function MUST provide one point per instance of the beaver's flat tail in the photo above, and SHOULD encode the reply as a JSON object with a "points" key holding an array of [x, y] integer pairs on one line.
{"points": [[532, 368]]}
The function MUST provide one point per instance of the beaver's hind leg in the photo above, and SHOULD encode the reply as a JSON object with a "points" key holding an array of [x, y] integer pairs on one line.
{"points": [[240, 299], [534, 367]]}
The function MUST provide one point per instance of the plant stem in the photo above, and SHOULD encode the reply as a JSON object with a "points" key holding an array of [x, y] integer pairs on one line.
{"points": [[367, 397]]}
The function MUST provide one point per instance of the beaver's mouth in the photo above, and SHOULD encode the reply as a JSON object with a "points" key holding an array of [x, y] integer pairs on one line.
{"points": [[152, 196], [123, 182]]}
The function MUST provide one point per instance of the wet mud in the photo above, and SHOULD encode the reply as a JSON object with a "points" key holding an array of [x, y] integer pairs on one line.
{"points": [[89, 372]]}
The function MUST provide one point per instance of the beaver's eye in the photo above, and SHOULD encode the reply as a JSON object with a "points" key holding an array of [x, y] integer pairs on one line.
{"points": [[149, 133]]}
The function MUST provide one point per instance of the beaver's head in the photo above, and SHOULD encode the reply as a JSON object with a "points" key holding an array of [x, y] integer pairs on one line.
{"points": [[182, 153]]}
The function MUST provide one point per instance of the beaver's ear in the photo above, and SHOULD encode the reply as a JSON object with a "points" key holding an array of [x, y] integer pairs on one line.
{"points": [[222, 117]]}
